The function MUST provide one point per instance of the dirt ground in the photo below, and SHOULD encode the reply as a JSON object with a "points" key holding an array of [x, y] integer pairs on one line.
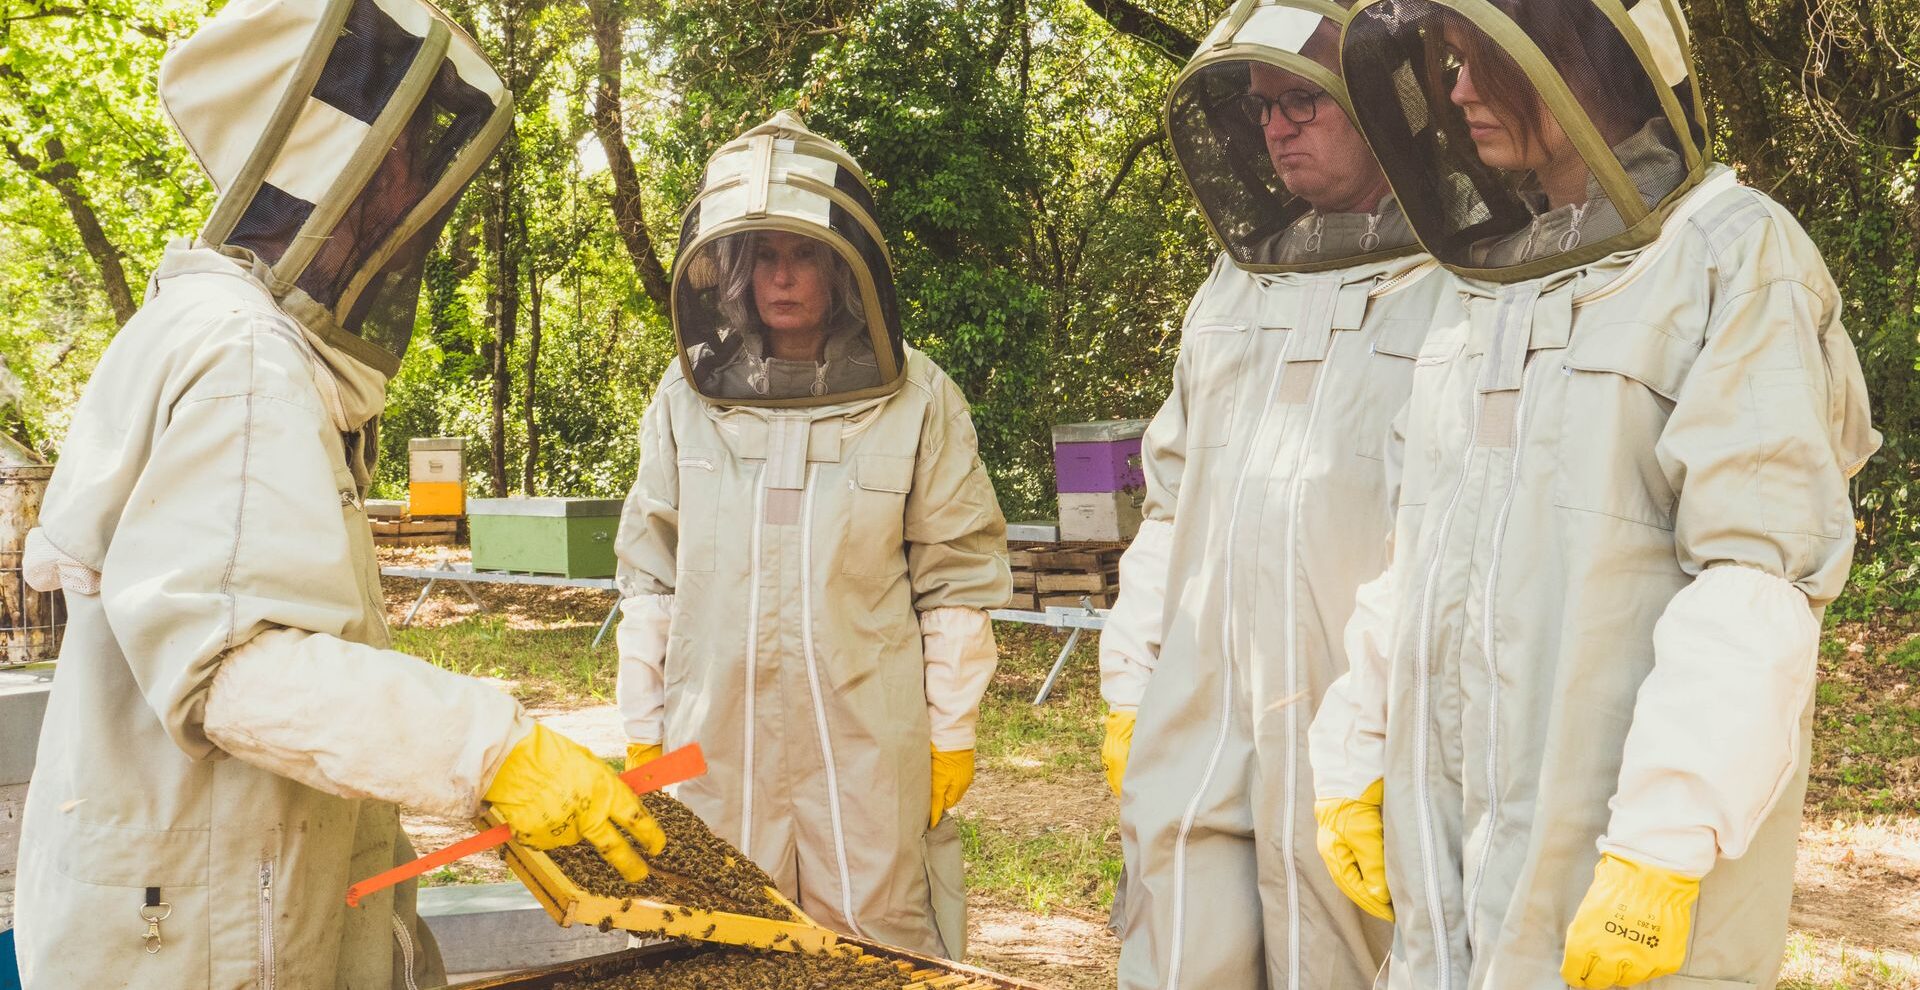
{"points": [[1857, 878], [1859, 882]]}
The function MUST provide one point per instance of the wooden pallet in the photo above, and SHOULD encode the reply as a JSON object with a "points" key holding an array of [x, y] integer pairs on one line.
{"points": [[410, 532], [1066, 574]]}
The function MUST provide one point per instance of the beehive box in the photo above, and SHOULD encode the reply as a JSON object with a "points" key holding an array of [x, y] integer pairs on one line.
{"points": [[571, 537], [436, 477], [406, 531], [1098, 457], [918, 972], [1101, 516]]}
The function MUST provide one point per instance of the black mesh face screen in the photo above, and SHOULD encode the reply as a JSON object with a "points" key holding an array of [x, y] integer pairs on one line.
{"points": [[368, 61], [271, 222], [452, 114], [1262, 133], [1487, 168], [1225, 159], [777, 315], [383, 314]]}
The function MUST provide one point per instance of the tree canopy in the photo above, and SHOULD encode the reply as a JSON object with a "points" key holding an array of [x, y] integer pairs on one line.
{"points": [[1044, 241]]}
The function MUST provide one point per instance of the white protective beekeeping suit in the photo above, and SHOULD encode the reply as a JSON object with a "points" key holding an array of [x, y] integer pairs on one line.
{"points": [[1267, 506], [226, 736], [1623, 507], [808, 554]]}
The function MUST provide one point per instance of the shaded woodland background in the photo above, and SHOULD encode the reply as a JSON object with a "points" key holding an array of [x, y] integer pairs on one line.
{"points": [[1045, 242]]}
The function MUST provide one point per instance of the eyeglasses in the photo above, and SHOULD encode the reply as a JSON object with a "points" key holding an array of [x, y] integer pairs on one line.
{"points": [[1297, 105]]}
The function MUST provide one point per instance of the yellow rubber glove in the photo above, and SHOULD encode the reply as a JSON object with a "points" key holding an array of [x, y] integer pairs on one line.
{"points": [[1114, 748], [553, 792], [1351, 840], [1631, 927], [952, 775], [638, 753]]}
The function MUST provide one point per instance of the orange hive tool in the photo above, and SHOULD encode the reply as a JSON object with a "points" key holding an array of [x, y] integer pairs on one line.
{"points": [[684, 763]]}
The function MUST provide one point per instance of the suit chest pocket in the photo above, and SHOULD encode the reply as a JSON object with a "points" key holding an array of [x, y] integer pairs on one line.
{"points": [[1622, 380], [873, 543], [1214, 369]]}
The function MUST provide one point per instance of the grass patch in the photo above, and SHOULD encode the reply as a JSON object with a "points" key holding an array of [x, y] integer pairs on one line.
{"points": [[1053, 741], [1866, 739], [1821, 964], [1058, 868], [545, 667]]}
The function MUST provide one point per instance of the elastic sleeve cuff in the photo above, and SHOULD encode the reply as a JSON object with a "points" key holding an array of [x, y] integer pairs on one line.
{"points": [[641, 687], [360, 722], [1720, 723], [961, 656], [1130, 643]]}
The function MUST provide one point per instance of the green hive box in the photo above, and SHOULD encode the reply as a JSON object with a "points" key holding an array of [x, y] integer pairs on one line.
{"points": [[566, 536]]}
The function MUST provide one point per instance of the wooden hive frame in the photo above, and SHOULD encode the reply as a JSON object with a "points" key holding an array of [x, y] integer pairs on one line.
{"points": [[927, 974], [570, 905]]}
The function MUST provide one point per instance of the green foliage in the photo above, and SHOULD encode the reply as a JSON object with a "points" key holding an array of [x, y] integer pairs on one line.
{"points": [[1044, 242], [83, 84]]}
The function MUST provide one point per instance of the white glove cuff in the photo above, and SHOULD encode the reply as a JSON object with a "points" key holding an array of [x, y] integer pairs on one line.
{"points": [[359, 722], [48, 568], [1130, 643], [957, 643], [641, 686], [1720, 724]]}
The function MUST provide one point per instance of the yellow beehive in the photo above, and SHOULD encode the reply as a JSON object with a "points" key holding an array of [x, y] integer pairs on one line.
{"points": [[436, 477]]}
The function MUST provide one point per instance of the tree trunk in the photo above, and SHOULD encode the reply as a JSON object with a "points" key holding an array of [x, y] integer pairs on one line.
{"points": [[502, 243], [1130, 19], [629, 210], [533, 377], [60, 173]]}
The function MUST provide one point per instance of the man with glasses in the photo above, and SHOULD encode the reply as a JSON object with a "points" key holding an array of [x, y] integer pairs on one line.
{"points": [[1268, 506]]}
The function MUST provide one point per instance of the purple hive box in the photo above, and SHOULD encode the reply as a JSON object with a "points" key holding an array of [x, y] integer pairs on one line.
{"points": [[1098, 457]]}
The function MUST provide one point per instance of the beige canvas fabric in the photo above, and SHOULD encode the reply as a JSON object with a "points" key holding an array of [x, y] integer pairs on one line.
{"points": [[226, 727], [1264, 465], [1266, 507], [227, 735], [338, 133], [796, 560], [1623, 507]]}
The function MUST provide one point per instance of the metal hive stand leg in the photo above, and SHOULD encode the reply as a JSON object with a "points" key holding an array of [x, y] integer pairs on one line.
{"points": [[1066, 651]]}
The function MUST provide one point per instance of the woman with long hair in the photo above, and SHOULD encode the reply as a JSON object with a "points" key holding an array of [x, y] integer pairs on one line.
{"points": [[809, 552], [1623, 507]]}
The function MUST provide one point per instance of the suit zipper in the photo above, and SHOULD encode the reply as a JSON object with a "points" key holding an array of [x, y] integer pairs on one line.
{"points": [[1487, 650], [1176, 957], [1423, 708], [819, 701], [266, 926]]}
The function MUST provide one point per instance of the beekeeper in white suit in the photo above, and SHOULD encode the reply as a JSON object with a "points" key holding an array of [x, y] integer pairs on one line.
{"points": [[1574, 742], [1267, 507], [809, 552], [227, 737]]}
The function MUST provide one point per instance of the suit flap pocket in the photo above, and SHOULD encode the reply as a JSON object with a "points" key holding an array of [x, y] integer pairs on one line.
{"points": [[884, 473], [1400, 338], [1656, 359]]}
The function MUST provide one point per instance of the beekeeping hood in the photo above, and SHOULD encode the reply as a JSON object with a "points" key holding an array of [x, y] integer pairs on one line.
{"points": [[781, 177], [1615, 75], [1262, 225], [338, 134]]}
